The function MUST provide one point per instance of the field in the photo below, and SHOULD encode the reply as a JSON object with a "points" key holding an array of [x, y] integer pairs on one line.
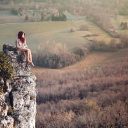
{"points": [[8, 17], [41, 32], [95, 29]]}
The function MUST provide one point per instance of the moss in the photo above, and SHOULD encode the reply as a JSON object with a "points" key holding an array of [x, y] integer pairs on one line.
{"points": [[32, 97]]}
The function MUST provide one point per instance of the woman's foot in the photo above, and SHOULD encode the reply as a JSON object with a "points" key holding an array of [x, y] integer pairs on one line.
{"points": [[31, 63]]}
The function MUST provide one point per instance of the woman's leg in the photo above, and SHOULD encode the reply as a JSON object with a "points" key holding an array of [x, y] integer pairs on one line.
{"points": [[30, 57], [28, 54], [25, 50]]}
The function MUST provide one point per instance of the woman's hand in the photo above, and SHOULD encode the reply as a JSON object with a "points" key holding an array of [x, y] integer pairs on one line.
{"points": [[25, 47]]}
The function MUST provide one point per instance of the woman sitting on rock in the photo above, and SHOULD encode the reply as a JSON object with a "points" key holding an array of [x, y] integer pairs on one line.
{"points": [[21, 45]]}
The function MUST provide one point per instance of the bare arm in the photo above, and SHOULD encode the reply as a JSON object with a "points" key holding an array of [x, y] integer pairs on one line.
{"points": [[18, 45], [25, 46]]}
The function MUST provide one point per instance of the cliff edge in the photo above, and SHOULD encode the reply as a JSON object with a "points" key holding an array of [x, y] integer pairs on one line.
{"points": [[18, 104]]}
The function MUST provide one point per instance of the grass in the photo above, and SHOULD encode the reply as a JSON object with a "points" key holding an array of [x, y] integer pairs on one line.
{"points": [[95, 29], [73, 17], [8, 17], [40, 32]]}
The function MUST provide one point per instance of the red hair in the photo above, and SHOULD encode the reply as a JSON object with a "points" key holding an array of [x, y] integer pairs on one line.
{"points": [[20, 36]]}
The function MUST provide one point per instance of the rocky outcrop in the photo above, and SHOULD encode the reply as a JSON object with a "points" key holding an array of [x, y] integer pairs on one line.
{"points": [[5, 121], [21, 93]]}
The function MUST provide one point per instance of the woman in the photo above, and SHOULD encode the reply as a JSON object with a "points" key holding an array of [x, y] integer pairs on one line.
{"points": [[21, 45]]}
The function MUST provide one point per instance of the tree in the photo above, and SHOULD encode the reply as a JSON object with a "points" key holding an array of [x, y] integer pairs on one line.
{"points": [[6, 69], [26, 17], [61, 17]]}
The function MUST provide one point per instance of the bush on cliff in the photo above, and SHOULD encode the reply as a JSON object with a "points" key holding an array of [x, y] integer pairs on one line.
{"points": [[6, 69]]}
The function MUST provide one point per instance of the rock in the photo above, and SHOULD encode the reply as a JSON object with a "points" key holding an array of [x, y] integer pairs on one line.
{"points": [[21, 95], [3, 108], [6, 122]]}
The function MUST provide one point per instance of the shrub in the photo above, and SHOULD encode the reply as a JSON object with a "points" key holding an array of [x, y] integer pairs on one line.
{"points": [[26, 17], [20, 11], [72, 30], [103, 46], [124, 41], [61, 17], [42, 16], [81, 51], [14, 11], [54, 55], [91, 106], [86, 121], [89, 35], [6, 69], [95, 34], [112, 45], [84, 28], [123, 25], [99, 46]]}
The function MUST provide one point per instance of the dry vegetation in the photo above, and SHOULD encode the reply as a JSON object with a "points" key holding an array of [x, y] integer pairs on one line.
{"points": [[88, 98], [55, 55]]}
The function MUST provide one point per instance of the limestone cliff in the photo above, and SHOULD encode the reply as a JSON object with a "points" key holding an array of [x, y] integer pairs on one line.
{"points": [[18, 104]]}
